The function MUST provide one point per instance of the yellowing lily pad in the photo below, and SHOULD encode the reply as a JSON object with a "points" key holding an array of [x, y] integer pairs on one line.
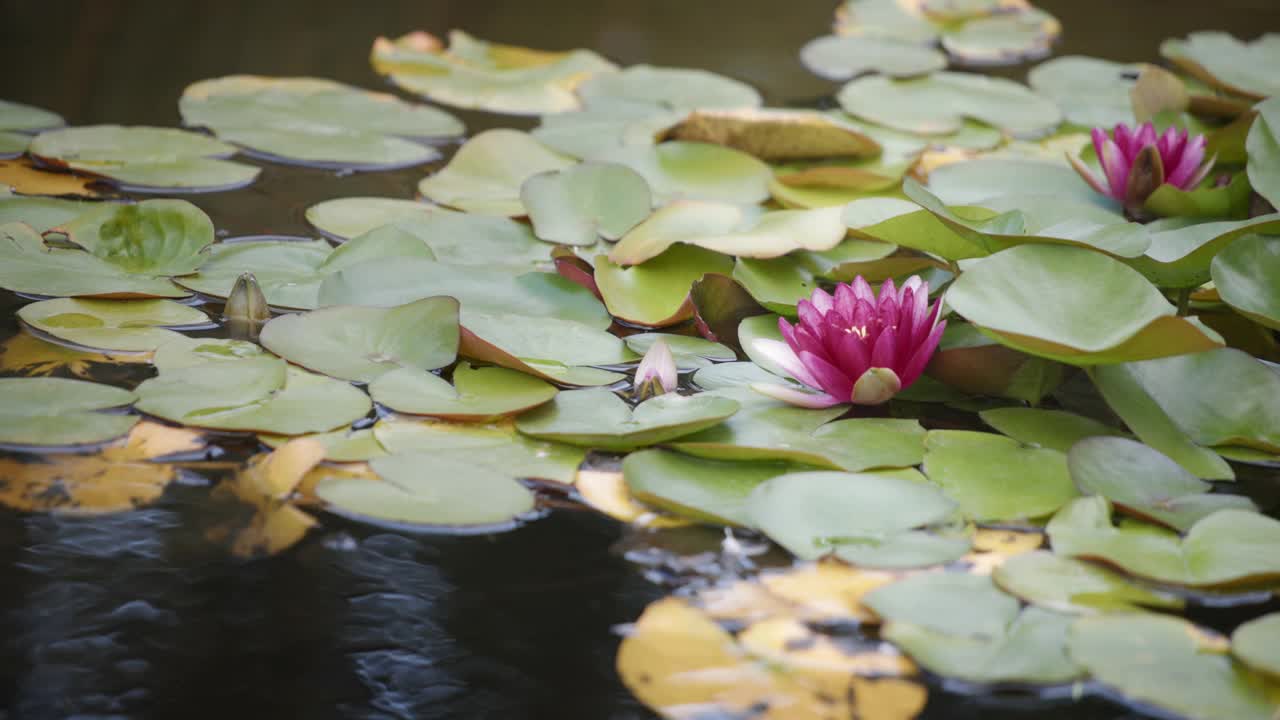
{"points": [[600, 419], [146, 159], [938, 104], [681, 89], [59, 411], [993, 478], [774, 135], [1067, 585], [486, 173], [586, 202], [127, 325], [1003, 293], [477, 394]]}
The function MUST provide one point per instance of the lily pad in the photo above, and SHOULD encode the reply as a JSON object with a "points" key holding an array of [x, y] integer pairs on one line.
{"points": [[773, 134], [681, 89], [362, 343], [720, 304], [690, 353], [1263, 147], [778, 283], [972, 362], [427, 492], [315, 122], [586, 202], [598, 418], [147, 159], [983, 179], [993, 478], [473, 73], [455, 238], [1054, 429], [766, 235], [27, 118], [948, 602], [1244, 275], [938, 104], [133, 326], [59, 411], [348, 217], [869, 520], [1227, 63], [730, 375], [41, 213], [884, 19], [587, 134], [656, 293], [12, 145], [486, 173], [497, 446], [1142, 482], [1182, 249], [343, 445], [1171, 665], [1229, 547], [477, 394], [1002, 295], [27, 265], [1257, 643], [840, 58], [709, 491], [1067, 585], [153, 237], [1003, 38], [695, 170], [551, 348]]}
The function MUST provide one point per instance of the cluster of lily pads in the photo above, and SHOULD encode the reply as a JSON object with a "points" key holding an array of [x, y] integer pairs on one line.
{"points": [[435, 364]]}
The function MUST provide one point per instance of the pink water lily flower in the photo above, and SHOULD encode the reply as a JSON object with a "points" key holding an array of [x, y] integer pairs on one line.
{"points": [[1136, 162], [855, 347]]}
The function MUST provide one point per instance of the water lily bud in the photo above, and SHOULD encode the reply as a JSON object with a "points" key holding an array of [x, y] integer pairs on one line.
{"points": [[656, 374], [246, 310], [1137, 162]]}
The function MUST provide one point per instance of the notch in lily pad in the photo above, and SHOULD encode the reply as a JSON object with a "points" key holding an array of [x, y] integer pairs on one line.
{"points": [[586, 202], [476, 394]]}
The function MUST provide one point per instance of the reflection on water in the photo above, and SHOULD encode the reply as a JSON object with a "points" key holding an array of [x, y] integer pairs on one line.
{"points": [[137, 615]]}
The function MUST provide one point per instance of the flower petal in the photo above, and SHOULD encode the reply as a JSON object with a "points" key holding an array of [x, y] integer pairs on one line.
{"points": [[920, 358], [829, 377], [795, 396], [781, 355], [1116, 167], [658, 364], [855, 355], [1087, 175], [821, 300], [884, 352], [876, 386], [1188, 164], [862, 290], [846, 299]]}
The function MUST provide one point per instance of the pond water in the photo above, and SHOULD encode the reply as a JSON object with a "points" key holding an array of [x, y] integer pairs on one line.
{"points": [[140, 615]]}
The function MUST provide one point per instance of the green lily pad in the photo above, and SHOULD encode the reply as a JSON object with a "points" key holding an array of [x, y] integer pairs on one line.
{"points": [[348, 217], [131, 326], [776, 135], [59, 411], [1221, 397], [778, 283], [1003, 294], [1257, 643], [1263, 147], [464, 239], [760, 327], [731, 375], [938, 104], [767, 235], [980, 180], [477, 74], [690, 353], [1003, 38], [1067, 585], [1182, 249], [841, 58], [315, 122], [681, 221], [41, 213], [153, 237], [27, 118], [680, 89], [695, 170], [426, 492], [973, 363], [344, 445], [1142, 482], [1244, 274], [1166, 663], [496, 446], [590, 133], [598, 418], [709, 491], [720, 303], [1119, 386], [1227, 63], [948, 602], [994, 478], [13, 144], [1207, 202], [1229, 547], [362, 343], [551, 348], [864, 518], [884, 19], [486, 173], [145, 158], [901, 222], [586, 202], [476, 393], [656, 293], [1054, 429], [27, 265]]}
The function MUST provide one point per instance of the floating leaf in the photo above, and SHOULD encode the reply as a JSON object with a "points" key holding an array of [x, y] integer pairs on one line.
{"points": [[1091, 92], [132, 326], [153, 237], [27, 118], [1169, 664], [1142, 482], [485, 174], [1003, 293], [548, 347], [1244, 276], [695, 170], [774, 135], [948, 602], [608, 493], [25, 355], [145, 158], [778, 283], [499, 447], [348, 217], [288, 272], [473, 73], [59, 411], [680, 89], [937, 104], [1054, 429], [476, 394], [1182, 249], [27, 265], [586, 202], [974, 363], [361, 343], [993, 478], [1227, 547], [1257, 643], [600, 419], [709, 491], [1227, 63], [690, 353], [344, 445], [1263, 147], [973, 183], [1067, 585], [38, 212], [843, 58], [656, 293], [24, 177], [1003, 38], [731, 375], [720, 304]]}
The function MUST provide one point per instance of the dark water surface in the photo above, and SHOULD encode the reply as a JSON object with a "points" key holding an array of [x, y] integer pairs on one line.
{"points": [[138, 615]]}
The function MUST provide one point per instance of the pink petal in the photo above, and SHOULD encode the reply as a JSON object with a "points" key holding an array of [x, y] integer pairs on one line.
{"points": [[1187, 164], [1087, 174], [1145, 136], [862, 290], [794, 396], [779, 354], [887, 292], [809, 341], [829, 377], [846, 300], [855, 356], [810, 316], [1203, 172], [1123, 139], [658, 364], [788, 333], [884, 352], [1116, 167], [821, 300], [913, 367]]}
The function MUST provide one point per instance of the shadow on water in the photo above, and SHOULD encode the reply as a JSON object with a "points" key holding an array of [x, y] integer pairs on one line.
{"points": [[138, 615]]}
